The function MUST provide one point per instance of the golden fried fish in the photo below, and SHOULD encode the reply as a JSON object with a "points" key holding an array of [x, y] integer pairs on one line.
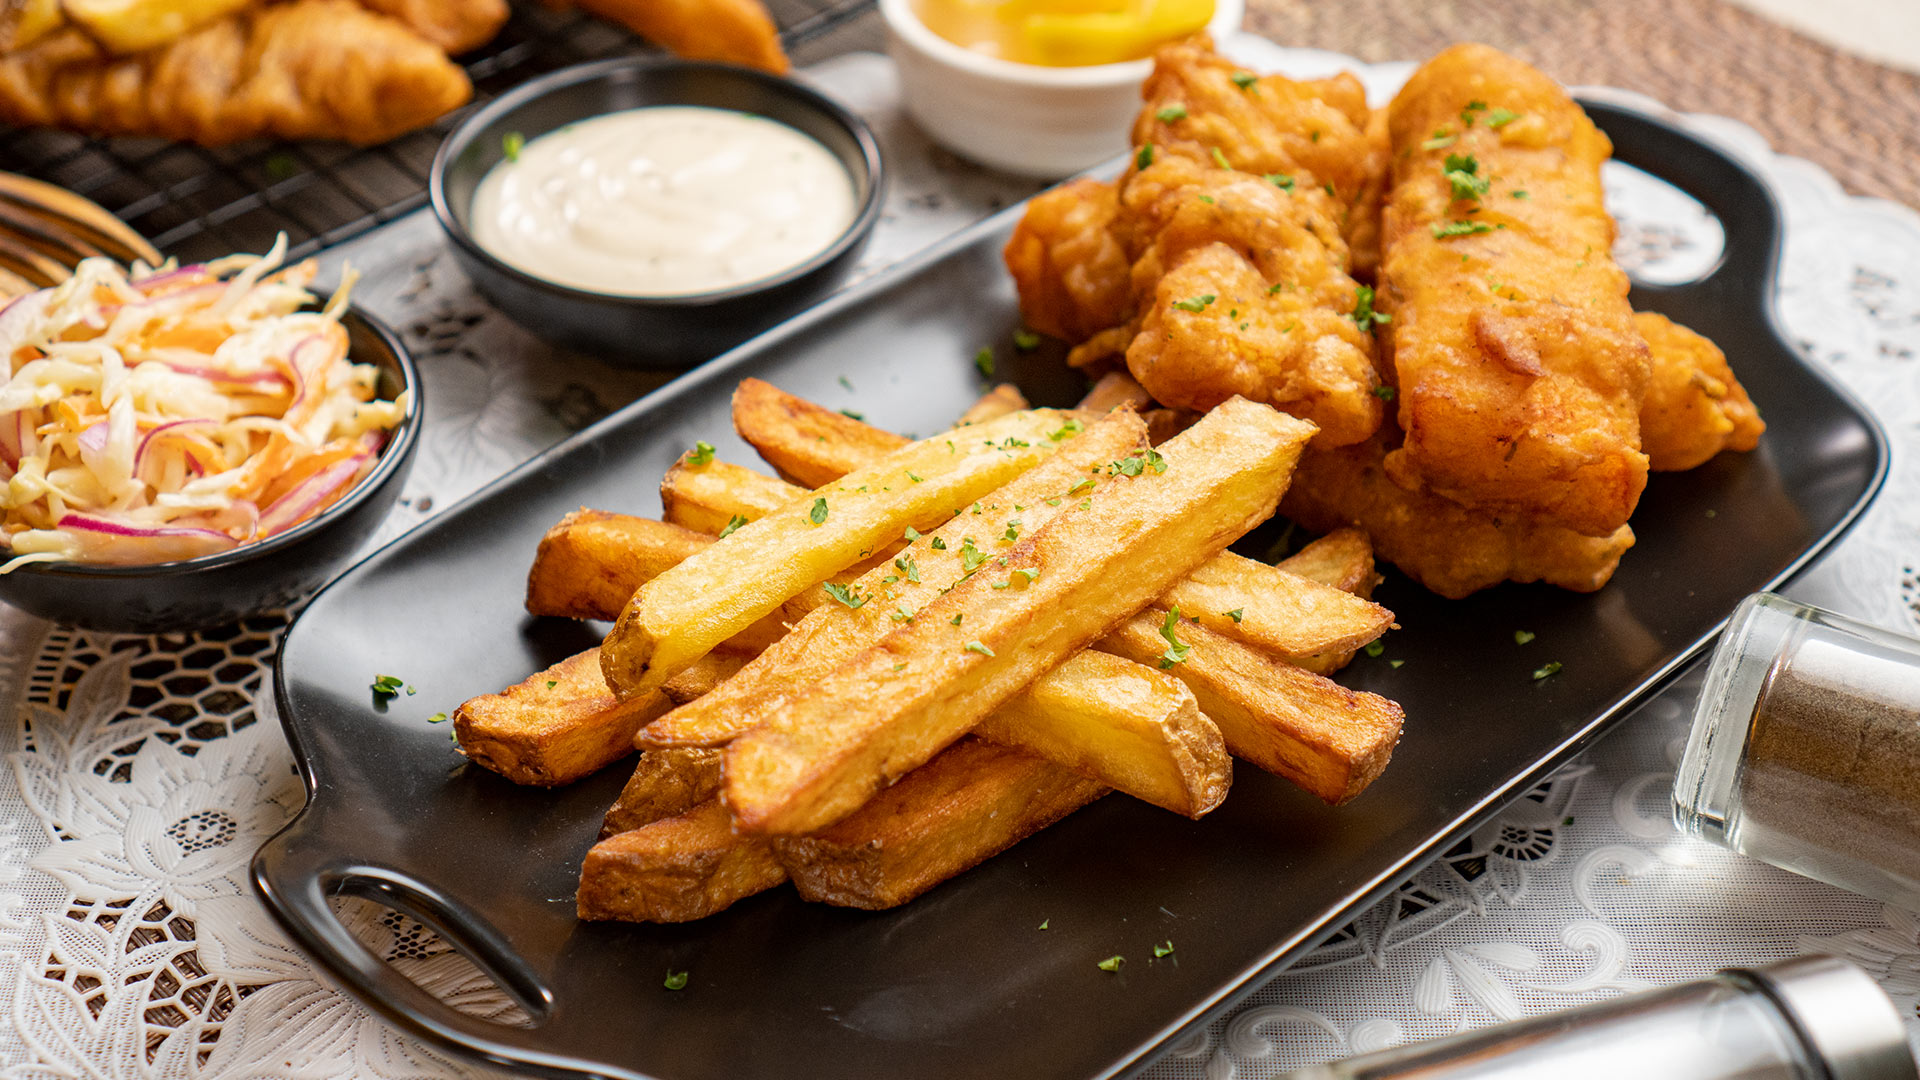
{"points": [[1694, 406], [1068, 261]]}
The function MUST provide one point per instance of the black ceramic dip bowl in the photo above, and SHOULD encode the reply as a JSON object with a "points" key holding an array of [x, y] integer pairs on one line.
{"points": [[651, 331]]}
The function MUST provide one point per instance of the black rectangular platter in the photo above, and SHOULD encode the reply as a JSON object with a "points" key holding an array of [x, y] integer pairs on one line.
{"points": [[962, 982]]}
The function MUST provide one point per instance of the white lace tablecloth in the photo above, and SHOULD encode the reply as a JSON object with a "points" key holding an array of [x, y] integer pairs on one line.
{"points": [[141, 773]]}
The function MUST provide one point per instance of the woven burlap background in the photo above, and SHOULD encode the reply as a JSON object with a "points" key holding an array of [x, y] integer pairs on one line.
{"points": [[1859, 120]]}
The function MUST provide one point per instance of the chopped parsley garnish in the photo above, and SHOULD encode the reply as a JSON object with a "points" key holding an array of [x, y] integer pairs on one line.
{"points": [[818, 515], [1374, 649], [1082, 486], [1440, 140], [701, 454], [1071, 427], [1025, 340], [676, 980], [1163, 950], [387, 685], [912, 533], [1145, 157], [1111, 963], [1001, 584], [938, 543], [1466, 114], [915, 478], [851, 415], [1500, 118], [1031, 574], [1463, 172], [901, 666], [1280, 180], [1172, 113], [979, 647], [512, 143], [1135, 464], [1551, 667], [1044, 922], [1395, 664], [1236, 614], [1013, 531], [1521, 195], [1208, 199], [846, 384], [1460, 228], [1384, 393], [907, 566], [1219, 158], [845, 595], [1363, 314], [900, 615], [1245, 79], [1195, 303], [437, 718], [984, 361], [551, 683], [733, 523], [970, 557], [956, 619], [1521, 637], [1176, 651]]}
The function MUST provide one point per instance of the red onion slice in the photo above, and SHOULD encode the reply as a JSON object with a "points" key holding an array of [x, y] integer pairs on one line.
{"points": [[149, 284], [264, 381], [12, 438], [172, 429], [109, 541], [300, 502]]}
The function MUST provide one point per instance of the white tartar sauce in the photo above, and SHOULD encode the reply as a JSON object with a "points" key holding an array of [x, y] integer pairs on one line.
{"points": [[667, 200]]}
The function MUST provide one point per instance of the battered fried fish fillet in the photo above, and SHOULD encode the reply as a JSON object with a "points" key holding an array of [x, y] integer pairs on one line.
{"points": [[1446, 547], [1069, 263], [1694, 406], [307, 69], [731, 31], [1305, 134], [1518, 366], [454, 25], [1244, 291]]}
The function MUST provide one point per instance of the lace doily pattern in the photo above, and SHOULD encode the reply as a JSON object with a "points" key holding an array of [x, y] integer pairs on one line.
{"points": [[140, 774]]}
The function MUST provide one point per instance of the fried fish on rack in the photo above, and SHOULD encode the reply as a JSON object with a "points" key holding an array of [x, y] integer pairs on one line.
{"points": [[1244, 291], [1449, 548], [1517, 364], [731, 31], [454, 25], [306, 69], [1694, 406]]}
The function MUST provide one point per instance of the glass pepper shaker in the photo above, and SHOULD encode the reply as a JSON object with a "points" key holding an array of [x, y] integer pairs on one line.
{"points": [[1805, 749], [1810, 1018]]}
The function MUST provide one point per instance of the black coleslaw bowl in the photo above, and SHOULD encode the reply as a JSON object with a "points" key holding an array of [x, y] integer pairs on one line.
{"points": [[659, 332], [222, 588]]}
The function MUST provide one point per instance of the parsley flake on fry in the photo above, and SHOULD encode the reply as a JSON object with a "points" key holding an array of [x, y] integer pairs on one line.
{"points": [[845, 594], [818, 515], [938, 543], [733, 523], [1236, 614], [1176, 650], [701, 454], [970, 556], [1449, 229], [979, 647]]}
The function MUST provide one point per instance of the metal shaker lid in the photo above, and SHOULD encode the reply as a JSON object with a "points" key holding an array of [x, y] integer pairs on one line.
{"points": [[1842, 1014]]}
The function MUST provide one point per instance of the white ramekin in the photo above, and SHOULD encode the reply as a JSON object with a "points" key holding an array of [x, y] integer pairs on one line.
{"points": [[1044, 122]]}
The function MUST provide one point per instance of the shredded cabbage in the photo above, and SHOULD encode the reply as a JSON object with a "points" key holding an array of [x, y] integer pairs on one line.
{"points": [[165, 413]]}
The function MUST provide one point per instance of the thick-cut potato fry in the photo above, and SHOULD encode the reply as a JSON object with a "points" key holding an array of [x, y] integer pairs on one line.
{"points": [[1343, 559], [687, 496], [1265, 606], [677, 869], [589, 564], [1309, 729], [706, 673], [130, 26], [835, 744], [681, 615], [972, 802], [830, 636], [554, 727], [997, 402], [1116, 388], [1121, 723], [805, 443], [664, 783]]}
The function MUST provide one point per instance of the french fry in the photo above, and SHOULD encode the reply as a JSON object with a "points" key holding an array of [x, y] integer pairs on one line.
{"points": [[970, 803], [709, 498], [1309, 729], [680, 616], [997, 402], [1343, 559], [805, 443], [1124, 724], [664, 783], [554, 727], [705, 673], [677, 869], [832, 746], [1116, 388], [589, 564]]}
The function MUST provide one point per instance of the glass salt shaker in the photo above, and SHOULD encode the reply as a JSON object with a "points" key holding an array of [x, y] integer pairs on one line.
{"points": [[1810, 1018], [1805, 749]]}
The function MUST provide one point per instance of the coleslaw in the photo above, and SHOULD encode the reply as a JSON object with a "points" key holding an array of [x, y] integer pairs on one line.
{"points": [[166, 413]]}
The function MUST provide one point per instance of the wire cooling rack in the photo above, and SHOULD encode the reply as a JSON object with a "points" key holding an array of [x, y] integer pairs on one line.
{"points": [[198, 203]]}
